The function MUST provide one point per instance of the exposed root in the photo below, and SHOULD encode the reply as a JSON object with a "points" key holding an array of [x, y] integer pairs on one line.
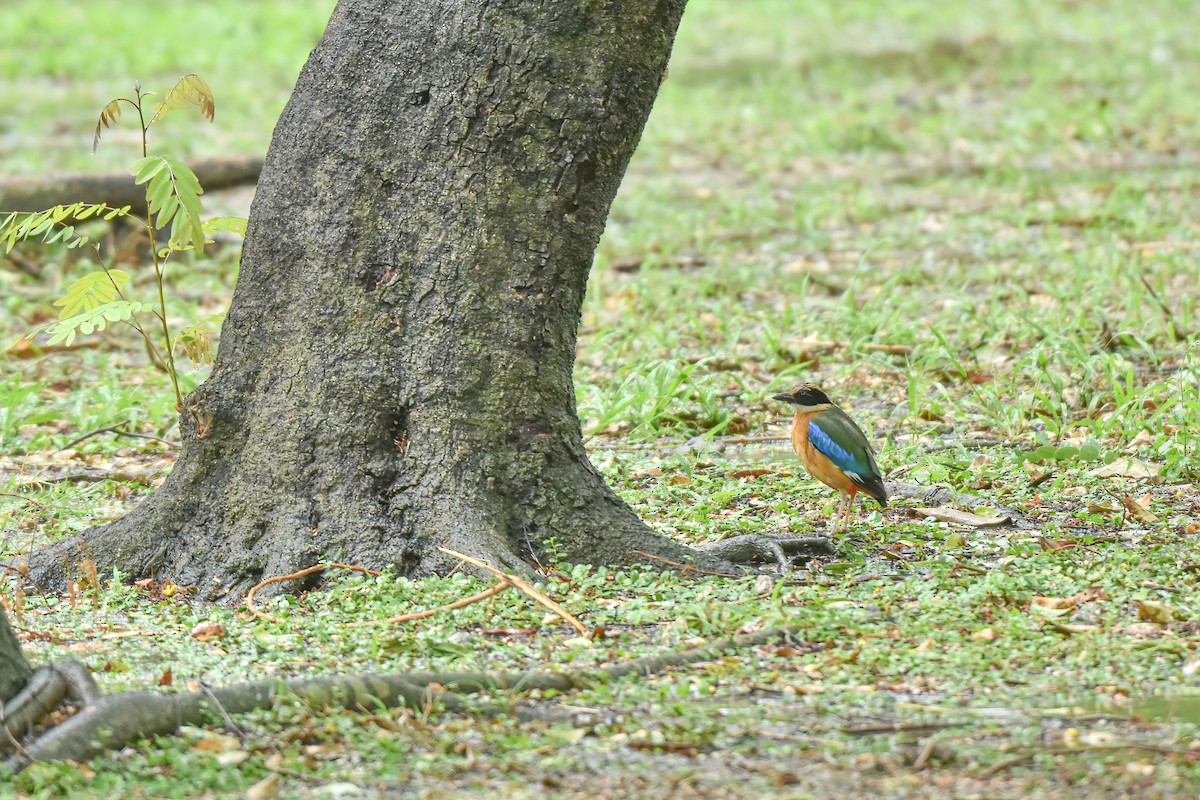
{"points": [[683, 568], [46, 689], [786, 552], [112, 721], [940, 496]]}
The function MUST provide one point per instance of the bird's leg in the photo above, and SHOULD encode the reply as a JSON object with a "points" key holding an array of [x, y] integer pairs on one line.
{"points": [[841, 512], [848, 511]]}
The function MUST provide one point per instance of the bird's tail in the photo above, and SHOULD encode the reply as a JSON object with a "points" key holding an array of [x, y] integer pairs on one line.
{"points": [[874, 487]]}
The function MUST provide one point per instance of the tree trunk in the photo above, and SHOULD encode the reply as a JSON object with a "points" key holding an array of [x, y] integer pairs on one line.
{"points": [[14, 669], [395, 370]]}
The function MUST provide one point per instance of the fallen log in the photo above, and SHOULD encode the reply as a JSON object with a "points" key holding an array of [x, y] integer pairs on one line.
{"points": [[38, 192]]}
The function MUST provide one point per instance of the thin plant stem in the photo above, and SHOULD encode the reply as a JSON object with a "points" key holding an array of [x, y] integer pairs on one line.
{"points": [[159, 268]]}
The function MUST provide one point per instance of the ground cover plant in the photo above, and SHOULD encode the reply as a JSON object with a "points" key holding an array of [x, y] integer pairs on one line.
{"points": [[973, 223]]}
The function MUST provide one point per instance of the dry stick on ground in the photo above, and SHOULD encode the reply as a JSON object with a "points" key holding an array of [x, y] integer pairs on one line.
{"points": [[108, 722], [494, 589], [1016, 760], [253, 609], [524, 586]]}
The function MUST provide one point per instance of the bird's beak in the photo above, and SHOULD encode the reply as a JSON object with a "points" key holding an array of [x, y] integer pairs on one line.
{"points": [[784, 398]]}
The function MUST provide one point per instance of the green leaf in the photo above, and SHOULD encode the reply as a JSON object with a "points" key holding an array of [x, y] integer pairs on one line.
{"points": [[51, 225], [90, 321], [92, 291], [173, 199], [232, 224], [146, 168]]}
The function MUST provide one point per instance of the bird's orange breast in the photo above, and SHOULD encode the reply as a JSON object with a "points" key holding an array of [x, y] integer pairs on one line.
{"points": [[817, 463]]}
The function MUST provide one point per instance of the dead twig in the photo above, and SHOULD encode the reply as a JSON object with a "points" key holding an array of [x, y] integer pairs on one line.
{"points": [[492, 590], [751, 439], [1017, 760], [90, 434], [118, 429], [900, 727], [527, 589], [253, 609]]}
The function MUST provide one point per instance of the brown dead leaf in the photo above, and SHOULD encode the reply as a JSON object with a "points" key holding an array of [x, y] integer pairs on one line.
{"points": [[675, 748], [1086, 596], [265, 789], [890, 349], [750, 473], [213, 742], [1055, 602], [1154, 611], [26, 348], [1127, 468], [1143, 630], [985, 635], [957, 517], [1071, 628], [1143, 439], [166, 678], [232, 758], [1138, 510], [680, 479], [783, 651], [737, 424], [207, 631], [1057, 544]]}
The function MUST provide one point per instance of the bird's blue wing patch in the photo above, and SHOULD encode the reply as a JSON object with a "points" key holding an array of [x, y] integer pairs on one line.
{"points": [[827, 446]]}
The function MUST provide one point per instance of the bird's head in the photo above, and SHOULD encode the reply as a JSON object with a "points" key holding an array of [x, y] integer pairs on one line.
{"points": [[807, 396]]}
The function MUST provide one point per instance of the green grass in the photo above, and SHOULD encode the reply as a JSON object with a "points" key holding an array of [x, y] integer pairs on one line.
{"points": [[973, 223]]}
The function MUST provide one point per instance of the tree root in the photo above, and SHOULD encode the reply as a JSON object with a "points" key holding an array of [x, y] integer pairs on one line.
{"points": [[934, 496], [111, 721], [46, 689], [752, 548]]}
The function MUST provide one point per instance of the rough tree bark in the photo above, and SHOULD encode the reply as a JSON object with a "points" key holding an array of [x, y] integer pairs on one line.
{"points": [[14, 669], [395, 370]]}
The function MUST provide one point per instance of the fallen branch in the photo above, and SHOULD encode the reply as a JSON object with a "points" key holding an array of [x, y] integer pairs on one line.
{"points": [[117, 189]]}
